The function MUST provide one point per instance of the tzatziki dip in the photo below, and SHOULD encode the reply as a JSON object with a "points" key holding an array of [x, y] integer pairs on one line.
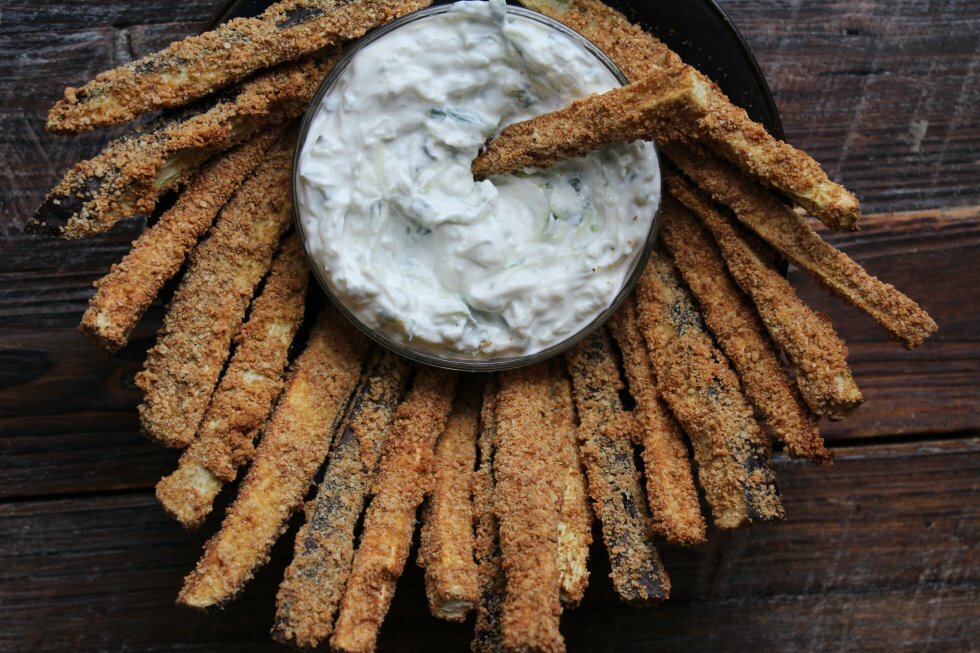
{"points": [[413, 246]]}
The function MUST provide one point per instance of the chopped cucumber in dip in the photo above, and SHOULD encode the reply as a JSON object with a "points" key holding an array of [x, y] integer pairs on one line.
{"points": [[419, 250]]}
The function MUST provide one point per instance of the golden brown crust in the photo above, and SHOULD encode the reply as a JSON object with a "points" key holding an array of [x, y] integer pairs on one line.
{"points": [[292, 449], [446, 544], [714, 120], [245, 395], [527, 503], [740, 333], [123, 295], [675, 512], [404, 477], [792, 237], [807, 336], [487, 636], [182, 369], [734, 460], [200, 64], [648, 109], [313, 585], [605, 443], [128, 176], [575, 518]]}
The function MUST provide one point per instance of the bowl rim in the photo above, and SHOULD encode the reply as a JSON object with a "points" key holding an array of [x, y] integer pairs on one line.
{"points": [[450, 362]]}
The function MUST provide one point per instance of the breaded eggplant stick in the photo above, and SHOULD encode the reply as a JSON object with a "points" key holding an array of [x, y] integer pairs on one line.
{"points": [[807, 336], [245, 395], [605, 442], [487, 636], [575, 518], [792, 237], [182, 369], [123, 295], [198, 65], [720, 124], [132, 172], [652, 108], [740, 333], [446, 548], [675, 512], [733, 455], [313, 586], [292, 449], [404, 478], [527, 501]]}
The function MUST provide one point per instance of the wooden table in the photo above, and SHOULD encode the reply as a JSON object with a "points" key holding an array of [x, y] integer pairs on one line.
{"points": [[879, 552]]}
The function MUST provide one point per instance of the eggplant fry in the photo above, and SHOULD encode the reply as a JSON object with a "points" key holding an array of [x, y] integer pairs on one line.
{"points": [[200, 64], [807, 336], [653, 108], [313, 586], [605, 443], [182, 369], [718, 123], [292, 449], [733, 455], [123, 295], [245, 395], [404, 478], [487, 636], [675, 512], [740, 333], [446, 548], [527, 502], [575, 519], [792, 237], [132, 172]]}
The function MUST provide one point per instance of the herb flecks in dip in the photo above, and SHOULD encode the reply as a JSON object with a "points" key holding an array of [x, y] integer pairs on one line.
{"points": [[419, 250]]}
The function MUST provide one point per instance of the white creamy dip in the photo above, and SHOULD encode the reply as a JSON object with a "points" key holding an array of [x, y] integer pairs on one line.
{"points": [[417, 249]]}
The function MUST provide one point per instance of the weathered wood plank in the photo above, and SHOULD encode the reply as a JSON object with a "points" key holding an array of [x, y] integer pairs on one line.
{"points": [[881, 545], [882, 92], [55, 16]]}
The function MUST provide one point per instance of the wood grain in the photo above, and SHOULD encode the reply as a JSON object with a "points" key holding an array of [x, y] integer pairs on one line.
{"points": [[882, 92], [879, 552]]}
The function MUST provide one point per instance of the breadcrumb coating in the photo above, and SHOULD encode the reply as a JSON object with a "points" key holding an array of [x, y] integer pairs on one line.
{"points": [[198, 65], [792, 237], [715, 121], [733, 455], [605, 442], [245, 395], [313, 586], [675, 512], [807, 336], [182, 369], [487, 636], [649, 109], [740, 333], [575, 518], [405, 476], [123, 295], [291, 451], [527, 501], [132, 172], [446, 548]]}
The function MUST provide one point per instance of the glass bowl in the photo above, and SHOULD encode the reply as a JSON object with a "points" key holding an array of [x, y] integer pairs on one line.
{"points": [[456, 360]]}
